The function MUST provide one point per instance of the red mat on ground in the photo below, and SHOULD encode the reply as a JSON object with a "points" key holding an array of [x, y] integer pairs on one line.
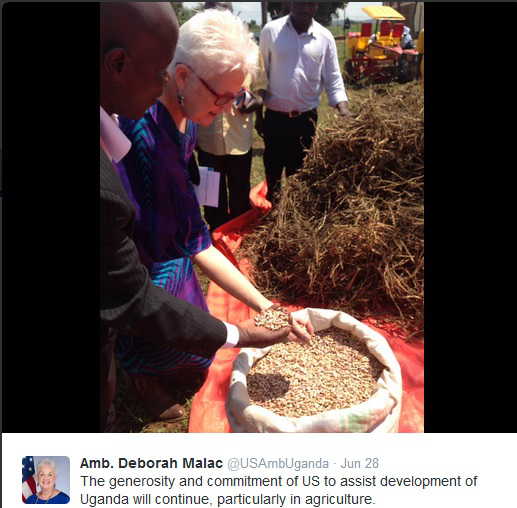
{"points": [[208, 413]]}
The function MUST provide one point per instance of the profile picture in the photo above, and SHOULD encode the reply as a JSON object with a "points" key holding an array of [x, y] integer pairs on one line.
{"points": [[45, 480]]}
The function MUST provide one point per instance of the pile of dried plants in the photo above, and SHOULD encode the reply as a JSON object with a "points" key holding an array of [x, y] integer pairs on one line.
{"points": [[347, 232]]}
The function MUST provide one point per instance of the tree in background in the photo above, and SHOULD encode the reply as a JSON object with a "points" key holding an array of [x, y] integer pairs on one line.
{"points": [[323, 15], [224, 5], [182, 13]]}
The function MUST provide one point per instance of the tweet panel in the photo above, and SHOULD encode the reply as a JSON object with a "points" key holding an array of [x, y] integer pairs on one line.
{"points": [[274, 470]]}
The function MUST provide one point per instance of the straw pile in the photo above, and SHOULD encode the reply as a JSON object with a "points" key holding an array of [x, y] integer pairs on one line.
{"points": [[347, 232]]}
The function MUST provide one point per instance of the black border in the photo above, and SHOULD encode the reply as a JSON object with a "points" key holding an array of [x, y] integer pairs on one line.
{"points": [[50, 217], [469, 94]]}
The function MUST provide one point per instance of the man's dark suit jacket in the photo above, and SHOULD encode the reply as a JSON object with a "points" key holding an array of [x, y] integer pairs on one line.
{"points": [[129, 301]]}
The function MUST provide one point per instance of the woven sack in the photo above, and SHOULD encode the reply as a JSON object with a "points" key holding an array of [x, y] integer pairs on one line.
{"points": [[380, 413]]}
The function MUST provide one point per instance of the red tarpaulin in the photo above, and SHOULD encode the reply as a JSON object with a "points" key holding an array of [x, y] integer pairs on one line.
{"points": [[208, 413]]}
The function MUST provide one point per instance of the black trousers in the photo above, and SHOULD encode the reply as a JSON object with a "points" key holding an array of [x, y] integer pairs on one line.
{"points": [[285, 140], [234, 186]]}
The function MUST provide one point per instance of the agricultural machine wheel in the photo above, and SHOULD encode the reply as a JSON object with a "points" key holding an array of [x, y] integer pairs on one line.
{"points": [[405, 71], [349, 71], [354, 73]]}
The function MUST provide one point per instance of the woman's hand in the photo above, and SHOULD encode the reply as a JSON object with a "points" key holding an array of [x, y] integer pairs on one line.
{"points": [[219, 269], [301, 328]]}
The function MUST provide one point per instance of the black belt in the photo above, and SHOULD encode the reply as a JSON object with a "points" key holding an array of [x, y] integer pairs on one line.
{"points": [[293, 114]]}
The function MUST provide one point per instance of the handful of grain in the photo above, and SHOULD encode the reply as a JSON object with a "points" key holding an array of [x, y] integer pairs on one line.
{"points": [[334, 371], [273, 318]]}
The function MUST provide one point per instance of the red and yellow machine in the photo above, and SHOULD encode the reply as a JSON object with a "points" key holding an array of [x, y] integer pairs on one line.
{"points": [[377, 59]]}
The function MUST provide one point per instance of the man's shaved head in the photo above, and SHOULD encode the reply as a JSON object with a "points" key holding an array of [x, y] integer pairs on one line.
{"points": [[138, 40], [125, 22]]}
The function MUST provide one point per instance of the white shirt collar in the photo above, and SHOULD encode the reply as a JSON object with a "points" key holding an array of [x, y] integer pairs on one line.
{"points": [[113, 140]]}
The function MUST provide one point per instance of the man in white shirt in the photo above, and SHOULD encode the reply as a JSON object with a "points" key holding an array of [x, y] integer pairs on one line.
{"points": [[138, 41], [300, 59]]}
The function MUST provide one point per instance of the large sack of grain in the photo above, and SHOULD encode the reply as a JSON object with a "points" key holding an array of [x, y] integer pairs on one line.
{"points": [[379, 413]]}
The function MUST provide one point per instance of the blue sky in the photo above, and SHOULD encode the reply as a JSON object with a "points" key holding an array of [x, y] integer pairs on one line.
{"points": [[251, 10]]}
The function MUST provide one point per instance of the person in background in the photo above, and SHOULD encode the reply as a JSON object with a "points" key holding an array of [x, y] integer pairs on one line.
{"points": [[215, 53], [300, 61], [46, 477], [225, 146], [137, 43], [406, 41]]}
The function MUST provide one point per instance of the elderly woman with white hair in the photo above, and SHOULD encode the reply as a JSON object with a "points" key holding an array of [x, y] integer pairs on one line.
{"points": [[214, 54], [46, 476]]}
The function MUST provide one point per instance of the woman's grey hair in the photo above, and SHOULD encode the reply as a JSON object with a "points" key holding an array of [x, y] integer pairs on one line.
{"points": [[215, 41], [46, 462]]}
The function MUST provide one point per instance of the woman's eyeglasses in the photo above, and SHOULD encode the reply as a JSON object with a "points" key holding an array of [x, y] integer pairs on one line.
{"points": [[221, 100]]}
